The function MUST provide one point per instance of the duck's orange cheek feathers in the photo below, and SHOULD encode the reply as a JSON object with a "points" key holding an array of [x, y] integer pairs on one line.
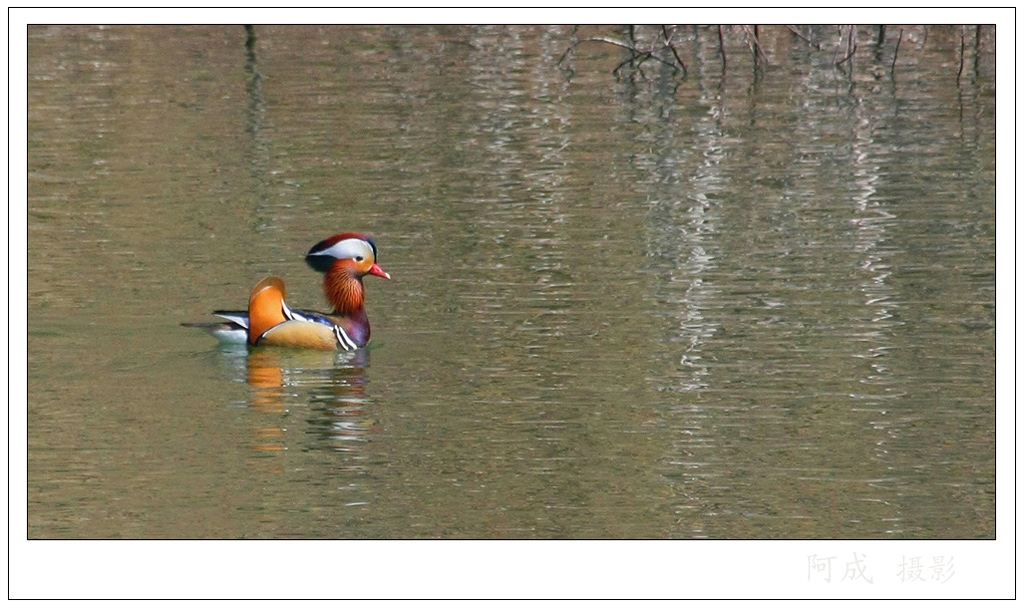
{"points": [[266, 307]]}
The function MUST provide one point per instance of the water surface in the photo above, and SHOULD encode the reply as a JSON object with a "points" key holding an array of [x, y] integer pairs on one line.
{"points": [[740, 304]]}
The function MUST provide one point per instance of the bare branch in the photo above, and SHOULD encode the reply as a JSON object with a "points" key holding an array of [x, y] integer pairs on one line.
{"points": [[721, 45], [668, 43], [851, 45], [596, 39], [892, 70], [804, 38], [961, 70], [755, 47], [636, 54], [668, 31]]}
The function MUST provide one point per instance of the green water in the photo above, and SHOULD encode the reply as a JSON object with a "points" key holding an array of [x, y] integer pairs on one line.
{"points": [[735, 305]]}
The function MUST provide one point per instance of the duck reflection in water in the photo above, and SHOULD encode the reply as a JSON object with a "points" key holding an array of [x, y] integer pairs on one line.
{"points": [[330, 387]]}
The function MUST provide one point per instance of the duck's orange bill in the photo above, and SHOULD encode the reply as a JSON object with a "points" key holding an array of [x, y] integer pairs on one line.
{"points": [[379, 272]]}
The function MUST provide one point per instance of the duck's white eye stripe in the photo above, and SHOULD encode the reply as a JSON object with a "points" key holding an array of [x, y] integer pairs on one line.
{"points": [[348, 249]]}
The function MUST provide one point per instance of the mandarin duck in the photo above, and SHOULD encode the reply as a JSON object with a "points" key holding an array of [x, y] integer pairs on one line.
{"points": [[344, 259]]}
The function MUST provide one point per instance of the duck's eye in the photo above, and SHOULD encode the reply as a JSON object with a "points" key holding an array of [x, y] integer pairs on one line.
{"points": [[359, 258]]}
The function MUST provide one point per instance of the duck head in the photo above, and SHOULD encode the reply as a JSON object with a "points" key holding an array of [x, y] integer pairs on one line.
{"points": [[345, 259], [349, 253]]}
